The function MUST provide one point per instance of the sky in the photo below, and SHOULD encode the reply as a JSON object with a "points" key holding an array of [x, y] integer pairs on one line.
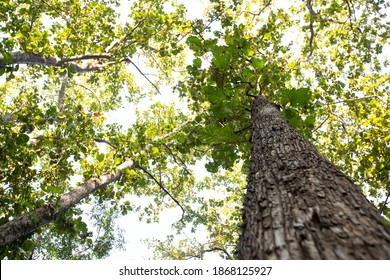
{"points": [[136, 231]]}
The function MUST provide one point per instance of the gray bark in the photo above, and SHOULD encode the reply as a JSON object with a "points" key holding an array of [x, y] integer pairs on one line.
{"points": [[37, 59], [298, 204], [31, 221]]}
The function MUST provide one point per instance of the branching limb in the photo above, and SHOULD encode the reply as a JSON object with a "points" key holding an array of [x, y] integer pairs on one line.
{"points": [[37, 59], [310, 8], [164, 190], [106, 142], [177, 157], [139, 70], [384, 203], [323, 122], [200, 255], [31, 221], [311, 27], [61, 94], [34, 247]]}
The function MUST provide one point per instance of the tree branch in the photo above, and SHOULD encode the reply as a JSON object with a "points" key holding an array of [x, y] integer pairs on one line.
{"points": [[177, 157], [384, 203], [27, 223], [106, 142], [62, 93], [37, 59], [164, 190], [139, 70], [312, 15]]}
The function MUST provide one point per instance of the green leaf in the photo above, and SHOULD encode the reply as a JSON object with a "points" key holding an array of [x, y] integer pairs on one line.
{"points": [[7, 58], [194, 43], [258, 63], [22, 139], [100, 157], [197, 62], [300, 97]]}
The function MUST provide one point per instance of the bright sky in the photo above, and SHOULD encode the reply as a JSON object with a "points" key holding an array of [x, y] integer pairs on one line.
{"points": [[135, 230]]}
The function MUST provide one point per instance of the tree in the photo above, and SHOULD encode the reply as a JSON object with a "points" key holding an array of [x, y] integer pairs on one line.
{"points": [[69, 63], [294, 195], [298, 204]]}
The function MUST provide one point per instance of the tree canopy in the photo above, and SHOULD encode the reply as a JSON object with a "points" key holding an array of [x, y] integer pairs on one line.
{"points": [[65, 65]]}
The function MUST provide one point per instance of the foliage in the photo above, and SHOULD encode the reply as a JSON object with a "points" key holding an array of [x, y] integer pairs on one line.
{"points": [[323, 63]]}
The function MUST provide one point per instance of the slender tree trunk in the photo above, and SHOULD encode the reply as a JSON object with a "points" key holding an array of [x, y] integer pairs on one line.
{"points": [[31, 221], [298, 204]]}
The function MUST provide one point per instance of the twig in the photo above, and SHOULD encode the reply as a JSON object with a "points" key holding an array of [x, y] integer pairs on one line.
{"points": [[384, 203], [219, 249], [106, 142], [91, 91], [139, 70], [199, 256], [324, 121], [259, 12], [34, 246], [164, 190], [176, 156], [357, 99]]}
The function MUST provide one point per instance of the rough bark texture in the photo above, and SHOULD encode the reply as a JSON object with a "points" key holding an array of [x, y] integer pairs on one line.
{"points": [[298, 204]]}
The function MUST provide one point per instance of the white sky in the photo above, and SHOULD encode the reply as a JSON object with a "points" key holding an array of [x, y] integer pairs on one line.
{"points": [[136, 231]]}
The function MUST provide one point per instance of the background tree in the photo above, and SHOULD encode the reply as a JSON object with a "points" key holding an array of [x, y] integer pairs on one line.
{"points": [[329, 79]]}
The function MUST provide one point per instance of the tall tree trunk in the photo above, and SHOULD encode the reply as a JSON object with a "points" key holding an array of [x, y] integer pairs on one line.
{"points": [[298, 204]]}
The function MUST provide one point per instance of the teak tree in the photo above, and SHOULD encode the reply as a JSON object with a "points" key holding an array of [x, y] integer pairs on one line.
{"points": [[67, 65], [298, 204]]}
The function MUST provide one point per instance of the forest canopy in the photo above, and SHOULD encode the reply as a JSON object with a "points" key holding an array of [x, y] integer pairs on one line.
{"points": [[75, 155]]}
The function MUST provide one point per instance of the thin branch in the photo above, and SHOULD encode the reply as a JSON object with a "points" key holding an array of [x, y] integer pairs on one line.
{"points": [[384, 203], [139, 70], [311, 27], [200, 255], [91, 91], [259, 12], [310, 8], [34, 246], [357, 99], [219, 249], [177, 157], [106, 142], [64, 18], [324, 121], [164, 190]]}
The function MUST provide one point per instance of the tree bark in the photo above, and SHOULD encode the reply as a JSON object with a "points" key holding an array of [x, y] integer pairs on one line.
{"points": [[37, 59], [298, 205], [31, 221]]}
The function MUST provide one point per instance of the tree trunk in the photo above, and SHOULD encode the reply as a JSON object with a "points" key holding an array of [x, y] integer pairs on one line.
{"points": [[298, 204], [31, 221]]}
